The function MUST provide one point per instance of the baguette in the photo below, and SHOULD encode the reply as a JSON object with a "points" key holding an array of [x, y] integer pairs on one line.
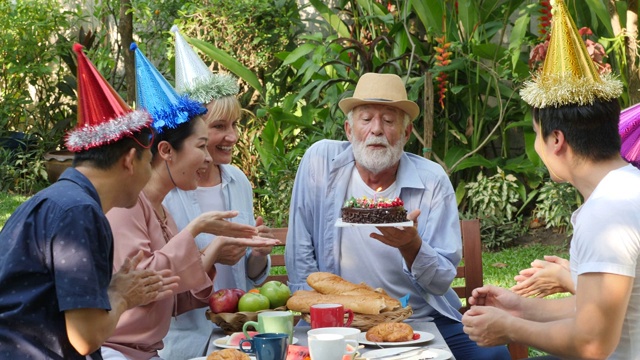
{"points": [[302, 300], [327, 283]]}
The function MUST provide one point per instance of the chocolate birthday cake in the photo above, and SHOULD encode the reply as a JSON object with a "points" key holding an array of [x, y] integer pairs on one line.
{"points": [[373, 211]]}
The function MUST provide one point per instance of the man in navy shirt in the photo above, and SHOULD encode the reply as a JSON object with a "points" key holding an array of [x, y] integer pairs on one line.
{"points": [[58, 298]]}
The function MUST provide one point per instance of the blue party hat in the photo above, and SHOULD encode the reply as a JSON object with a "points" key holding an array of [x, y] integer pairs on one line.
{"points": [[155, 94]]}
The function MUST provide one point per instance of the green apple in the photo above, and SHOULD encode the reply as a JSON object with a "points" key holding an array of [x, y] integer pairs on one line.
{"points": [[252, 302], [277, 293]]}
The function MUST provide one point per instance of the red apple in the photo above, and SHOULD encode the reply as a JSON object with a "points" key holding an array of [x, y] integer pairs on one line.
{"points": [[238, 292], [224, 301]]}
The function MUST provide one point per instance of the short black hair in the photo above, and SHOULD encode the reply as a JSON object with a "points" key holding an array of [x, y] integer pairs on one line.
{"points": [[175, 136], [590, 130], [105, 156]]}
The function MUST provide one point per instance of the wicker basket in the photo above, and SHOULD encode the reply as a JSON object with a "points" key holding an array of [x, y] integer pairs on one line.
{"points": [[233, 322], [365, 322]]}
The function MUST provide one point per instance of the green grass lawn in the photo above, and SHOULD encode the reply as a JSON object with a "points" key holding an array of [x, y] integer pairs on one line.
{"points": [[8, 203]]}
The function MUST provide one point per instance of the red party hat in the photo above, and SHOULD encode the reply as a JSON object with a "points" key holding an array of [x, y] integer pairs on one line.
{"points": [[103, 116]]}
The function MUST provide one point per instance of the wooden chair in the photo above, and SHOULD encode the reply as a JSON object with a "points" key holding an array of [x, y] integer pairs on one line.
{"points": [[278, 259], [470, 271]]}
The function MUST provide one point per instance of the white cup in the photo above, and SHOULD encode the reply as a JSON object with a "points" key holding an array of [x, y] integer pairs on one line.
{"points": [[347, 332], [330, 346]]}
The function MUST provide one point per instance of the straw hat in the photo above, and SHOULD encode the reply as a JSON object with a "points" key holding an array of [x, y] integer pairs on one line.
{"points": [[384, 89]]}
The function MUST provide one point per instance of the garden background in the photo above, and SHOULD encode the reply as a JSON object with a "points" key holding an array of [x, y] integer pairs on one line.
{"points": [[463, 62]]}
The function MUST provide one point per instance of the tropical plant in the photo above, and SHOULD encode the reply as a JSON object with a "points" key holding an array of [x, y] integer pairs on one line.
{"points": [[35, 98], [556, 202], [495, 196], [251, 33], [499, 233], [22, 170]]}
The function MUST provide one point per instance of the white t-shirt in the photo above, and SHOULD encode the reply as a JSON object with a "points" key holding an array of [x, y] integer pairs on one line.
{"points": [[606, 239], [364, 259]]}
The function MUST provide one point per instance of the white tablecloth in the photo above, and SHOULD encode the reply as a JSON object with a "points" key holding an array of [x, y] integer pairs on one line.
{"points": [[300, 332]]}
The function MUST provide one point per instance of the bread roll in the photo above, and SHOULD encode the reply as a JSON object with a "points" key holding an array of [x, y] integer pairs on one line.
{"points": [[327, 283], [228, 354], [390, 332], [302, 301]]}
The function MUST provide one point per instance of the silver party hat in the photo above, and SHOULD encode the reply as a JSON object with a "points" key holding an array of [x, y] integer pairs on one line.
{"points": [[193, 77]]}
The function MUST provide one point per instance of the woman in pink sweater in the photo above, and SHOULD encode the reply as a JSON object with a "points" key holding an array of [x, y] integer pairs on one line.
{"points": [[179, 155]]}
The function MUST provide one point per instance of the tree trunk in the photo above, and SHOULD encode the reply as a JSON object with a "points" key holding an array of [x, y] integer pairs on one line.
{"points": [[428, 116], [126, 37]]}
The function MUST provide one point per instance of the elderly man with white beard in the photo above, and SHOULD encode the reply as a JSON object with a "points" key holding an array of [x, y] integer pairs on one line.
{"points": [[418, 260]]}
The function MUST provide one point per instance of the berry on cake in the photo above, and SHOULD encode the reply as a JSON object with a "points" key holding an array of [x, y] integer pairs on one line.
{"points": [[373, 211]]}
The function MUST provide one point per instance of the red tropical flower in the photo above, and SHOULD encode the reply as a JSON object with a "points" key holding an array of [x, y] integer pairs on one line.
{"points": [[442, 59]]}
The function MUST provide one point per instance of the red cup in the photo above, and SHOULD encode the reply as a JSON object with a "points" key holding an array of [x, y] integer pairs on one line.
{"points": [[329, 315]]}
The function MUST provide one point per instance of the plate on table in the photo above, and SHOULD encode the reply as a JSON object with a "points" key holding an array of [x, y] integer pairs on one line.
{"points": [[339, 223], [432, 354], [424, 337], [222, 343]]}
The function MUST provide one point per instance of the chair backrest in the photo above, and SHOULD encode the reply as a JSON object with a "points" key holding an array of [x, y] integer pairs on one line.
{"points": [[471, 266], [471, 272], [277, 256]]}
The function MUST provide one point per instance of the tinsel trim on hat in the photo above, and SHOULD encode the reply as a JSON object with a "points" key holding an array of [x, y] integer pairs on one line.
{"points": [[562, 89], [170, 115], [89, 137], [215, 87]]}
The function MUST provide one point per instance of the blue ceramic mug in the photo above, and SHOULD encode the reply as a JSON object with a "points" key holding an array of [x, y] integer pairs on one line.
{"points": [[267, 346]]}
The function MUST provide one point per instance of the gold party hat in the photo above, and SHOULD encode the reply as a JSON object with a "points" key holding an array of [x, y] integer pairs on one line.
{"points": [[568, 75]]}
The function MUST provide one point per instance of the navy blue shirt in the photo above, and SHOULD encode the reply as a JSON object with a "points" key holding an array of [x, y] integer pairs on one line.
{"points": [[56, 254]]}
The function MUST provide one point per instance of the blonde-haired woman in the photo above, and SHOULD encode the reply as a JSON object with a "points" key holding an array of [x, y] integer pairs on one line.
{"points": [[221, 187]]}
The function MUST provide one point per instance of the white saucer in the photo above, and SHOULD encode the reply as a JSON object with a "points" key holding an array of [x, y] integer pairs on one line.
{"points": [[222, 343]]}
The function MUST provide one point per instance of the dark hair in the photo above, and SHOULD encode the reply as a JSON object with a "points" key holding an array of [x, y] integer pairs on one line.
{"points": [[590, 130], [175, 136], [103, 157]]}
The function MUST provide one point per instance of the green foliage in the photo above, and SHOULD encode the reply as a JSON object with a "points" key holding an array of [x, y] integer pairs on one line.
{"points": [[500, 233], [151, 23], [35, 98], [245, 37], [495, 196], [22, 170], [252, 32], [493, 200], [556, 202]]}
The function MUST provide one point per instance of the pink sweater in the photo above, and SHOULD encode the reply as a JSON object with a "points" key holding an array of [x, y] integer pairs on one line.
{"points": [[140, 330]]}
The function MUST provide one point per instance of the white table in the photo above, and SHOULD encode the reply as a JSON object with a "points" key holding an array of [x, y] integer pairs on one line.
{"points": [[300, 332]]}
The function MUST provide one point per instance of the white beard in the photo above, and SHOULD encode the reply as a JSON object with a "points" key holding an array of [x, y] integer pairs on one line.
{"points": [[377, 160]]}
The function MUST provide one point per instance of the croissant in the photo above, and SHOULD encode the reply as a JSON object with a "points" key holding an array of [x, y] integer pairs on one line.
{"points": [[228, 354]]}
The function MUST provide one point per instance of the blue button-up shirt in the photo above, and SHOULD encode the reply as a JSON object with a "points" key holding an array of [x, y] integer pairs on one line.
{"points": [[318, 195], [56, 254]]}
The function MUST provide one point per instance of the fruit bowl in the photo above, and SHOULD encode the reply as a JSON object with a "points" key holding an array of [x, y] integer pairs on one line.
{"points": [[233, 322]]}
